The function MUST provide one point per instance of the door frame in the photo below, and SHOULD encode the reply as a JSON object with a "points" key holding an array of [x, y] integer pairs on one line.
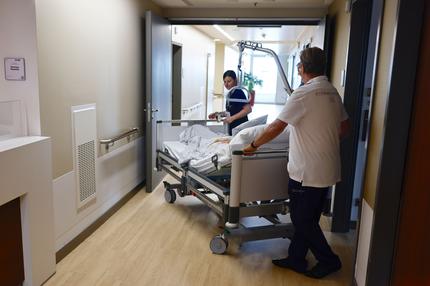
{"points": [[353, 100], [399, 110], [155, 72], [327, 22]]}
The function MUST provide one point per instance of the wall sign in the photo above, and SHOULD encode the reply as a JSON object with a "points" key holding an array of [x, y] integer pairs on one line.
{"points": [[14, 68]]}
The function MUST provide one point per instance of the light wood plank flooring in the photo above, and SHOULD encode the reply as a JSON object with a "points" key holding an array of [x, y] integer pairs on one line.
{"points": [[151, 242]]}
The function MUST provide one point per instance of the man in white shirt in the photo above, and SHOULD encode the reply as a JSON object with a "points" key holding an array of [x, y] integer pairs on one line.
{"points": [[317, 122]]}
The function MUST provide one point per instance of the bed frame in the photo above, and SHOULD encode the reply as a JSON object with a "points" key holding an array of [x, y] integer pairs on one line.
{"points": [[254, 185]]}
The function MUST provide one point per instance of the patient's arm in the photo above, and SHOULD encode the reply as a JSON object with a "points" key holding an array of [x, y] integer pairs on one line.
{"points": [[224, 140]]}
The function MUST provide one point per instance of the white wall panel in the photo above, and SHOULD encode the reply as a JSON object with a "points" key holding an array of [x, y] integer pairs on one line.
{"points": [[18, 40], [117, 174], [364, 237], [195, 49]]}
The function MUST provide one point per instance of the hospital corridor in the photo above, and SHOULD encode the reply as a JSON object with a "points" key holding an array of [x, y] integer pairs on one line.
{"points": [[203, 142], [149, 242]]}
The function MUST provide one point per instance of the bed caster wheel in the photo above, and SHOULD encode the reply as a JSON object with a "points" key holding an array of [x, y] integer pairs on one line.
{"points": [[219, 245], [170, 196]]}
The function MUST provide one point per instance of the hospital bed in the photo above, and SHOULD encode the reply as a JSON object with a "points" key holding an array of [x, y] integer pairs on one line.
{"points": [[247, 186]]}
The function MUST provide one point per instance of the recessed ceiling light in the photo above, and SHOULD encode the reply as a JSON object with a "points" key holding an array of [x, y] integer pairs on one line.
{"points": [[223, 32]]}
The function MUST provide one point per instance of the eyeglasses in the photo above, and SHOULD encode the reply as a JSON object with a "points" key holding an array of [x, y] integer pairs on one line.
{"points": [[299, 64]]}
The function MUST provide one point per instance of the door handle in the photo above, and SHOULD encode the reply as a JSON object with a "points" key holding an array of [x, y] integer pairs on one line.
{"points": [[150, 113], [153, 110]]}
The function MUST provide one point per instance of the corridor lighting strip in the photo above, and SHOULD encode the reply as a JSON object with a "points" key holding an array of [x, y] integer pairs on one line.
{"points": [[223, 32]]}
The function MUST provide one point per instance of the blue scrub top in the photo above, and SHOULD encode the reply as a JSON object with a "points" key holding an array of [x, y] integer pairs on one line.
{"points": [[236, 107]]}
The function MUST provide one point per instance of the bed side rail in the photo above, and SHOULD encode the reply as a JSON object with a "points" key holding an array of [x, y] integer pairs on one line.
{"points": [[189, 121]]}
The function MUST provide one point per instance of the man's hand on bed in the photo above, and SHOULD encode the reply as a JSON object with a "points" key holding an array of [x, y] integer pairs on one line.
{"points": [[249, 149]]}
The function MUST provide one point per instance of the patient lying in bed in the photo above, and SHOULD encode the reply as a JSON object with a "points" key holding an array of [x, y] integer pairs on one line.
{"points": [[198, 145]]}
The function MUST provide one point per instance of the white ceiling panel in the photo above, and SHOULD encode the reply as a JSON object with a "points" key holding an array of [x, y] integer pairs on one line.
{"points": [[243, 3], [281, 39]]}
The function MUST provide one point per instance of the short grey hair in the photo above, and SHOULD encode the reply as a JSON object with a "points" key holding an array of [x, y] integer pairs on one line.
{"points": [[313, 61]]}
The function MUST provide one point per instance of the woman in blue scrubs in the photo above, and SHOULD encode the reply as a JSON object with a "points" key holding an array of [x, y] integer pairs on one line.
{"points": [[236, 103]]}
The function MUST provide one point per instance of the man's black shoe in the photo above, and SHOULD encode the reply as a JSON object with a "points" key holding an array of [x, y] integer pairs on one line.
{"points": [[286, 263], [321, 270]]}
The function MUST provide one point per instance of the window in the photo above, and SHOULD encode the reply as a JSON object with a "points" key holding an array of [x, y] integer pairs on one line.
{"points": [[264, 68]]}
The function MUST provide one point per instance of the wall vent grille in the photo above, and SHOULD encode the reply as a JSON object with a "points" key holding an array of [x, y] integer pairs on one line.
{"points": [[85, 153], [86, 171]]}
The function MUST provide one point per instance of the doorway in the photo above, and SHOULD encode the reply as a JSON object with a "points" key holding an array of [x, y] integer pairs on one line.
{"points": [[176, 80], [201, 91], [207, 53], [362, 54]]}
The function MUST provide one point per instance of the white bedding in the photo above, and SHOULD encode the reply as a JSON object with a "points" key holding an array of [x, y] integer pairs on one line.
{"points": [[198, 144]]}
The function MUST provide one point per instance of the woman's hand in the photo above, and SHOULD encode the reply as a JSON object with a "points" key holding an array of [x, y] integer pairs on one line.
{"points": [[212, 115], [228, 119]]}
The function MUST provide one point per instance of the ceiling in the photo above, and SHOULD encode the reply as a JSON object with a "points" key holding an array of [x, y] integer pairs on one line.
{"points": [[280, 39], [242, 3]]}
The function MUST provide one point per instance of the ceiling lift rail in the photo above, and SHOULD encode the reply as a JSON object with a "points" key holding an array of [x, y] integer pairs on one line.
{"points": [[258, 47]]}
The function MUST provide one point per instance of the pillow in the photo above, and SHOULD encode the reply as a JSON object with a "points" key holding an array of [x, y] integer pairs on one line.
{"points": [[246, 136], [254, 122]]}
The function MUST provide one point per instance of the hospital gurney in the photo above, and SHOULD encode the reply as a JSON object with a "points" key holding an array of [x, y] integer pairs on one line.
{"points": [[252, 185]]}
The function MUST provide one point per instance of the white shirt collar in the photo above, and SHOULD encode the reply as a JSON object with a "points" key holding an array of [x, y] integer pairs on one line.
{"points": [[317, 79]]}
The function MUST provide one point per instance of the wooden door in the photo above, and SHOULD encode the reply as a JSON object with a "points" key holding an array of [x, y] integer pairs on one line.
{"points": [[412, 254]]}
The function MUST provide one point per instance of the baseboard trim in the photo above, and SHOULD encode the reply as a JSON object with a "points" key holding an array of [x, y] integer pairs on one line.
{"points": [[69, 247]]}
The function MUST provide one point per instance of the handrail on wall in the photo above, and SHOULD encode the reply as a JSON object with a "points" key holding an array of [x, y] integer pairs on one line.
{"points": [[111, 141]]}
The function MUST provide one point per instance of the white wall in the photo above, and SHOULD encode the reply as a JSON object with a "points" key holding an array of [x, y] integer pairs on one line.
{"points": [[364, 237], [219, 68], [118, 173], [281, 94], [313, 35], [18, 39], [231, 59], [90, 52], [195, 49]]}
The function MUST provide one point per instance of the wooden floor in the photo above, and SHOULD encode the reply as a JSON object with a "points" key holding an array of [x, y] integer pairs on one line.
{"points": [[151, 242]]}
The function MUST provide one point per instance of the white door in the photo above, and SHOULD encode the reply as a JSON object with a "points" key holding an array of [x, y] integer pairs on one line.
{"points": [[158, 78]]}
